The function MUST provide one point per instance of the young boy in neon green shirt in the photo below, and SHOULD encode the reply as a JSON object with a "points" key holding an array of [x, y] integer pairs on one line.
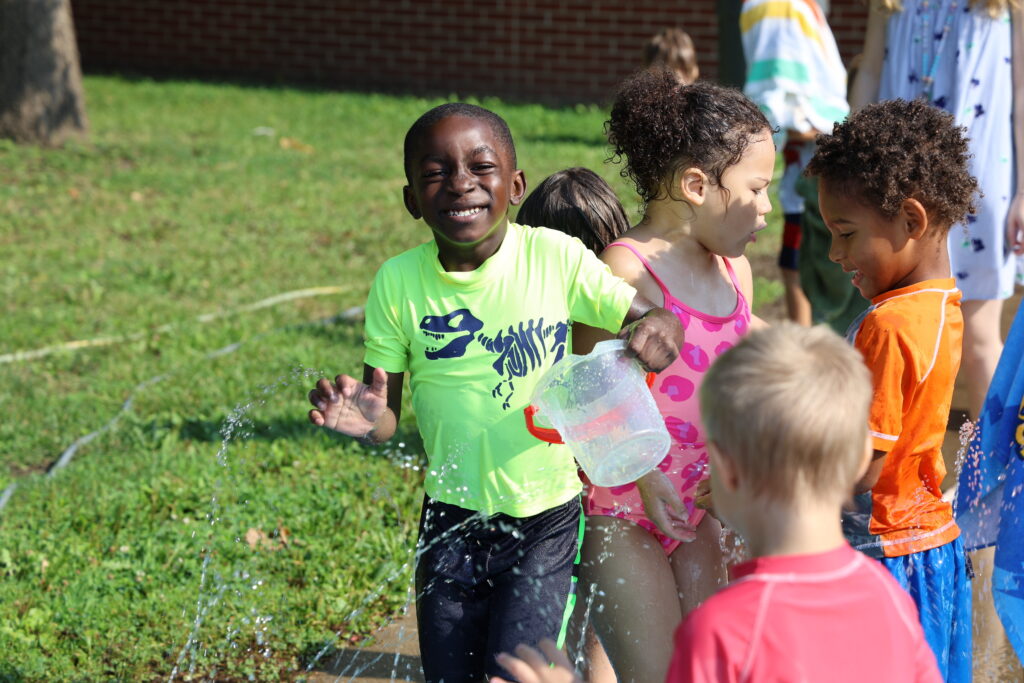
{"points": [[475, 317]]}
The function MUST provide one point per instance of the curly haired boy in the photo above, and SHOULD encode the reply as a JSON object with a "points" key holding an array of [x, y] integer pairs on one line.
{"points": [[893, 179]]}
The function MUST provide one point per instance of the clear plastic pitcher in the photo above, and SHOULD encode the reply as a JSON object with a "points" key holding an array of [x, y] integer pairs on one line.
{"points": [[601, 407]]}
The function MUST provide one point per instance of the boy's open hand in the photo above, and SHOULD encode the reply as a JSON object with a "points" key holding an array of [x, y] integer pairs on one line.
{"points": [[663, 506], [655, 339], [349, 406], [531, 666]]}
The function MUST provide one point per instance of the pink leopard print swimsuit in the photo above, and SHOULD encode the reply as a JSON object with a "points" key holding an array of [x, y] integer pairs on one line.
{"points": [[675, 392]]}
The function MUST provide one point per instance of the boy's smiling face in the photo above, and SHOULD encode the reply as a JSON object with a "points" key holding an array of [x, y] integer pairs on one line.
{"points": [[461, 182], [880, 252]]}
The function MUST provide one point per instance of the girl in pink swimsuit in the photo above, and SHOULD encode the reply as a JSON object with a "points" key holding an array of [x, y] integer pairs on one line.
{"points": [[701, 157], [675, 393]]}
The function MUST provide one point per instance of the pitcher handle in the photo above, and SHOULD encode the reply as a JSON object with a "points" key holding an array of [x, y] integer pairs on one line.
{"points": [[542, 433]]}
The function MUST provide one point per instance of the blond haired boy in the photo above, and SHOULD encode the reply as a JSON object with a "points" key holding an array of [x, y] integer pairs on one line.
{"points": [[786, 412]]}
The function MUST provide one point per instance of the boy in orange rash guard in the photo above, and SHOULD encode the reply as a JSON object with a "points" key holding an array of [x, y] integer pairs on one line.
{"points": [[894, 178]]}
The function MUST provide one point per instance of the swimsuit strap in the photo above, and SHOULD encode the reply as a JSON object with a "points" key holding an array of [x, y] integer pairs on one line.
{"points": [[732, 276], [664, 290]]}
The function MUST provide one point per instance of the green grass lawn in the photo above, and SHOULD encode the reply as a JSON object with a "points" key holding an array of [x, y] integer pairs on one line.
{"points": [[189, 203]]}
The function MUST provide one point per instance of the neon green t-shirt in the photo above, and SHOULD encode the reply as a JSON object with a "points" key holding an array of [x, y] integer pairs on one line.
{"points": [[475, 345]]}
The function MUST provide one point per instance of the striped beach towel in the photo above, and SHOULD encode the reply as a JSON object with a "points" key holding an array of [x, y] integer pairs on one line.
{"points": [[794, 71]]}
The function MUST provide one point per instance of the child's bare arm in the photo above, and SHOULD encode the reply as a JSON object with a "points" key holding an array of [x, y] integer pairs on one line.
{"points": [[367, 410], [647, 347], [653, 334], [864, 89], [1015, 217], [663, 506], [870, 477], [703, 499], [584, 337], [531, 666]]}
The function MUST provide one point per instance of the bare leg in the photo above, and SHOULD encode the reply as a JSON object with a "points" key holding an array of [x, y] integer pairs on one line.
{"points": [[699, 566], [982, 346], [636, 608], [994, 658], [584, 648], [597, 666], [798, 306]]}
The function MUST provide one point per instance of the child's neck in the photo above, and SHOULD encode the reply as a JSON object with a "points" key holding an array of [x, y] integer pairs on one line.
{"points": [[673, 222], [928, 259], [799, 526], [460, 257]]}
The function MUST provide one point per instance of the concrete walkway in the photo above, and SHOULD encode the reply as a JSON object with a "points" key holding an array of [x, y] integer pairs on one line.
{"points": [[392, 656]]}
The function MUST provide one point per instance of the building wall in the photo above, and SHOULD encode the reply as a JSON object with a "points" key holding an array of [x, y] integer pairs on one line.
{"points": [[542, 50]]}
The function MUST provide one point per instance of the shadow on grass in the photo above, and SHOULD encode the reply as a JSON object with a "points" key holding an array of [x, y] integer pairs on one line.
{"points": [[10, 676], [259, 430], [278, 429]]}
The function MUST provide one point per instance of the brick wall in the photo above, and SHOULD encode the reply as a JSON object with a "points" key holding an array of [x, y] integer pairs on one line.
{"points": [[848, 19], [543, 50]]}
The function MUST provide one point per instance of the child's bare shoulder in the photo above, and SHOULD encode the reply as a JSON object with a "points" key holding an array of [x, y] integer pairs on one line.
{"points": [[623, 261]]}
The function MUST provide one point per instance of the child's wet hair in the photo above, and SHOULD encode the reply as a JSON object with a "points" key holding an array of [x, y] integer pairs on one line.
{"points": [[896, 150], [662, 127], [790, 405], [431, 117], [578, 202]]}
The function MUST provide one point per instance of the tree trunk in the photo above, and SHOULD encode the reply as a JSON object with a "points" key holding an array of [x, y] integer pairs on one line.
{"points": [[41, 96]]}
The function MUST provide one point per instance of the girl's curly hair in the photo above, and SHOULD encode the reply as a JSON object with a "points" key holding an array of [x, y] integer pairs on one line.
{"points": [[662, 127], [896, 150]]}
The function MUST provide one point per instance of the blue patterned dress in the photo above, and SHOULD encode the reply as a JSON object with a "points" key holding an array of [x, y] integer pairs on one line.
{"points": [[960, 59]]}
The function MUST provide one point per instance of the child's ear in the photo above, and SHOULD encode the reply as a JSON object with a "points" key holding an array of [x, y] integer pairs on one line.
{"points": [[410, 203], [726, 472], [518, 188], [693, 186], [916, 218], [865, 461]]}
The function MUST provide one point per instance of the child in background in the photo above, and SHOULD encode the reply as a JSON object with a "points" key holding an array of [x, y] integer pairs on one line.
{"points": [[672, 49], [581, 204], [834, 301], [701, 157], [785, 452], [893, 179], [796, 76], [476, 316]]}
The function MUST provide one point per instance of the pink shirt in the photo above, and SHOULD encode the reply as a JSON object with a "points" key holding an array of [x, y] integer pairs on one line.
{"points": [[837, 616]]}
